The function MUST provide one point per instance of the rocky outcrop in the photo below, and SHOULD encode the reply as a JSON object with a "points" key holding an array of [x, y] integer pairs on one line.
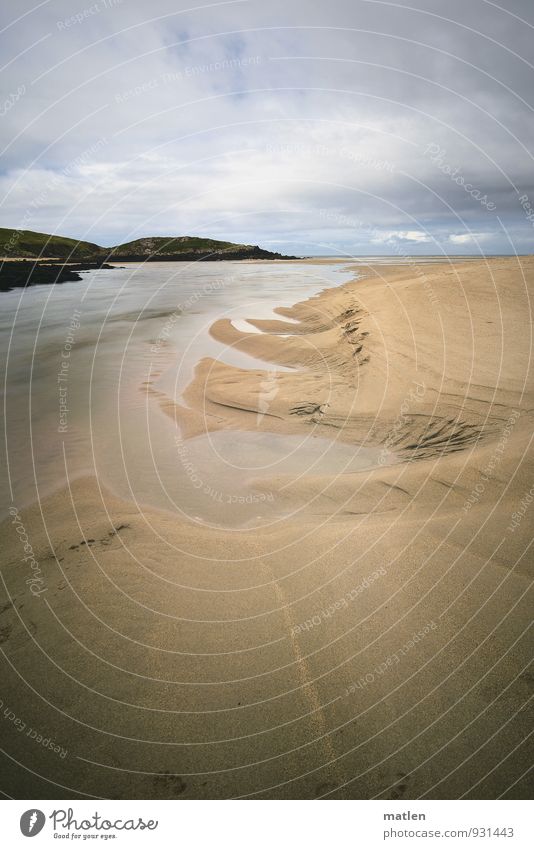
{"points": [[18, 275]]}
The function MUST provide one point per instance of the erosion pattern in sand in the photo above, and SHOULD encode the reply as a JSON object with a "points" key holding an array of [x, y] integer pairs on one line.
{"points": [[375, 643]]}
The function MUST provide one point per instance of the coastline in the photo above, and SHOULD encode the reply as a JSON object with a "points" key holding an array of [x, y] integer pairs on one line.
{"points": [[368, 647]]}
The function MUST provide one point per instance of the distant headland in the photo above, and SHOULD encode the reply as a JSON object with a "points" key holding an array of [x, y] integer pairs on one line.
{"points": [[57, 259]]}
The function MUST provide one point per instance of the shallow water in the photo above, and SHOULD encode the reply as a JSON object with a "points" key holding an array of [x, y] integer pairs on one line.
{"points": [[79, 357]]}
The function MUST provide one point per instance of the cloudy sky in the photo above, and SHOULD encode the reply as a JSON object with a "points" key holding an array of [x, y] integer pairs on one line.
{"points": [[308, 126]]}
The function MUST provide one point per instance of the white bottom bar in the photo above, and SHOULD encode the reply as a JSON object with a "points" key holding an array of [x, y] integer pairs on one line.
{"points": [[264, 825]]}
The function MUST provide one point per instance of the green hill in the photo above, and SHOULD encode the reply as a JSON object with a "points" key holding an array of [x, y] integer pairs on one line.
{"points": [[30, 245], [187, 248], [170, 245]]}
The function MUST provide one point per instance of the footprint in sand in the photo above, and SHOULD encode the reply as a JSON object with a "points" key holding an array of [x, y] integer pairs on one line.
{"points": [[401, 786], [169, 785], [14, 633], [5, 631], [322, 789]]}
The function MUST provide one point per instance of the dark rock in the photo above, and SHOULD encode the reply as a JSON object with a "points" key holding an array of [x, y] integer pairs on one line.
{"points": [[17, 274]]}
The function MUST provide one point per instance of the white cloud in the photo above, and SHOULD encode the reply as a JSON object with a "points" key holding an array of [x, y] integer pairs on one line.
{"points": [[401, 235], [468, 238], [280, 123]]}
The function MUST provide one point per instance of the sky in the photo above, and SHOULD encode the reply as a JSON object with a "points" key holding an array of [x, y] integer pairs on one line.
{"points": [[321, 127]]}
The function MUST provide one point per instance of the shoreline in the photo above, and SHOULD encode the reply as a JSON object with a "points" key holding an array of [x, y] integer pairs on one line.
{"points": [[174, 660]]}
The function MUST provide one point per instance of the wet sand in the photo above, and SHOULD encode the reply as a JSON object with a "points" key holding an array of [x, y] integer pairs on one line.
{"points": [[372, 642]]}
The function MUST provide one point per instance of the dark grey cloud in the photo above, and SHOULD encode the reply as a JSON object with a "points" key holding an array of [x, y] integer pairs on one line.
{"points": [[361, 125]]}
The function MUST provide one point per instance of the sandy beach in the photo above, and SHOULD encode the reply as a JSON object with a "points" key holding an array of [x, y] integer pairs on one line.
{"points": [[371, 641]]}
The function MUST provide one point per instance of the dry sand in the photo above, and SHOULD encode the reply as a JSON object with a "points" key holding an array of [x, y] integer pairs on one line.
{"points": [[177, 661]]}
